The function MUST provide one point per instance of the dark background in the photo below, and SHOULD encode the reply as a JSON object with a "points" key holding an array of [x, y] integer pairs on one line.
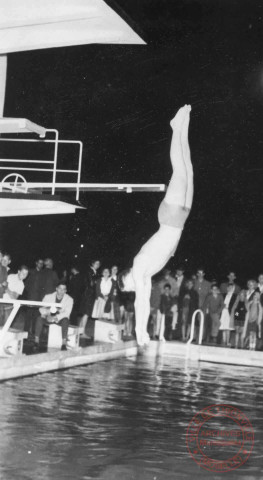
{"points": [[119, 99]]}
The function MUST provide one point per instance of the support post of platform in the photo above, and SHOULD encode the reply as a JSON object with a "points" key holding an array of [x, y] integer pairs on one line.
{"points": [[8, 322], [3, 69]]}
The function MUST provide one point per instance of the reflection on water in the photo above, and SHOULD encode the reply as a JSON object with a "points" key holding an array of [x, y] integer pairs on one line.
{"points": [[123, 420]]}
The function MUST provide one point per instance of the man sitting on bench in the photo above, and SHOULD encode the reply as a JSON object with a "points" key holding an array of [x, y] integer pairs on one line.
{"points": [[59, 316]]}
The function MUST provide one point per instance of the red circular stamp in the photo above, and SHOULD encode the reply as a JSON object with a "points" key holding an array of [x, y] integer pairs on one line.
{"points": [[220, 438]]}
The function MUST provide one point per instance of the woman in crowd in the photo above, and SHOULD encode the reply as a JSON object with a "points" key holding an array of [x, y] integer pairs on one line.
{"points": [[252, 327], [172, 214], [238, 317], [115, 297], [225, 323], [102, 306]]}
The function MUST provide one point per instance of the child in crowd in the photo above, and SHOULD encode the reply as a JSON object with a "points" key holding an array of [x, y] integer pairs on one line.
{"points": [[238, 316], [253, 321], [166, 304]]}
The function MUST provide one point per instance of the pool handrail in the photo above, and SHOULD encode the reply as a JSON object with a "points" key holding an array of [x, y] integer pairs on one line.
{"points": [[193, 327]]}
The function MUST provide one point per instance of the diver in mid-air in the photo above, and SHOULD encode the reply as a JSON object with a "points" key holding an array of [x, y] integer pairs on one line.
{"points": [[172, 214]]}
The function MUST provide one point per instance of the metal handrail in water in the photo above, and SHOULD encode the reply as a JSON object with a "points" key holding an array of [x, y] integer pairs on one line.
{"points": [[193, 327]]}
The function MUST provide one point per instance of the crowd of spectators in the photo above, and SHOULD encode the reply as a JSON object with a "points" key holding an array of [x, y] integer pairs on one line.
{"points": [[91, 294], [232, 314]]}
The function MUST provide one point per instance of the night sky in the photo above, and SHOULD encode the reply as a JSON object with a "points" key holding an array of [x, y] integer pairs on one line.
{"points": [[119, 100]]}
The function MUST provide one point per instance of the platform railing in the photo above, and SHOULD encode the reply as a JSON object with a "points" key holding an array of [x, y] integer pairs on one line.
{"points": [[16, 305], [201, 327], [15, 163]]}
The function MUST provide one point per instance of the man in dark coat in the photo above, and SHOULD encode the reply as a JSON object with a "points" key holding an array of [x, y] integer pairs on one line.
{"points": [[89, 296], [49, 278], [33, 292], [76, 287]]}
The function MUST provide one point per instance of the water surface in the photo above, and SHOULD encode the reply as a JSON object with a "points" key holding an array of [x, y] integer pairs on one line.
{"points": [[125, 420]]}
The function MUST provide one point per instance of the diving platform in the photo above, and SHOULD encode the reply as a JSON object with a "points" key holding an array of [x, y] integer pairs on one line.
{"points": [[21, 196]]}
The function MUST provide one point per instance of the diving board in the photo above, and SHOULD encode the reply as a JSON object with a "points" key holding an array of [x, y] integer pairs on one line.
{"points": [[98, 187]]}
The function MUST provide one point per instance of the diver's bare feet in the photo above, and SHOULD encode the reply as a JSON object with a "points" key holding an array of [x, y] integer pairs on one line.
{"points": [[177, 122], [184, 132]]}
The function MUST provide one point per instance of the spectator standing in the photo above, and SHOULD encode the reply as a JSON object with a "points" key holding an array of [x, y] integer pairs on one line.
{"points": [[15, 288], [115, 296], [167, 277], [15, 283], [238, 315], [89, 296], [225, 324], [231, 280], [166, 304], [252, 327], [260, 287], [3, 277], [33, 281], [103, 290], [3, 285], [213, 306], [33, 292], [5, 261], [202, 287], [181, 288], [76, 287], [48, 279], [180, 283], [251, 289]]}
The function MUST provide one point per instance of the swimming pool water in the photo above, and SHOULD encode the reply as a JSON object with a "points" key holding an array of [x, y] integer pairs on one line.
{"points": [[121, 420]]}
